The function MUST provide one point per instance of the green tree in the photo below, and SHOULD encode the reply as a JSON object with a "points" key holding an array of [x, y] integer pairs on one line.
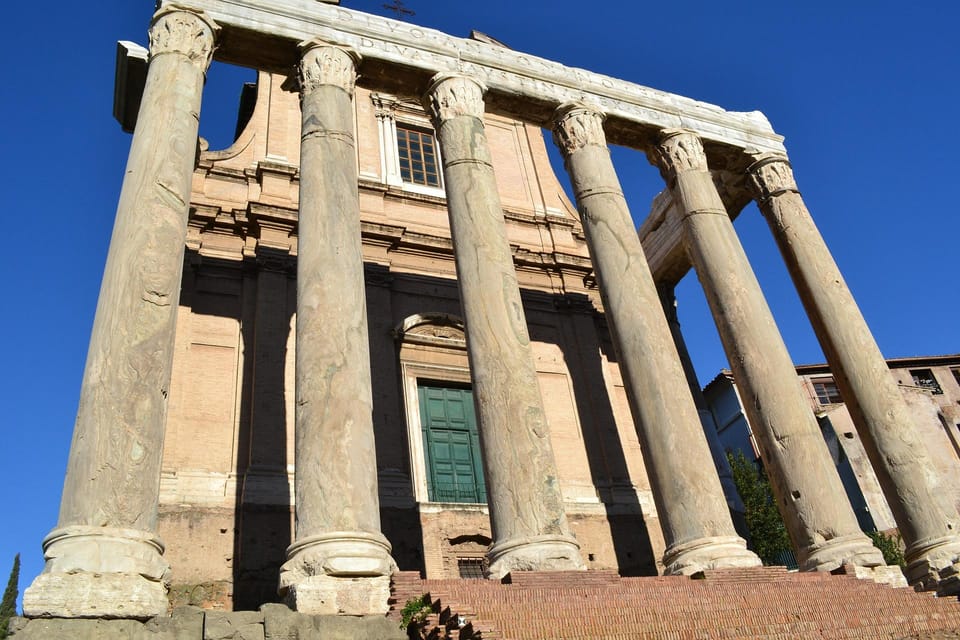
{"points": [[8, 606], [768, 534]]}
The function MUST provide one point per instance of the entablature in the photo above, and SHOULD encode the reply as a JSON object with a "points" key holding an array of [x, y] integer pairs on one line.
{"points": [[401, 58]]}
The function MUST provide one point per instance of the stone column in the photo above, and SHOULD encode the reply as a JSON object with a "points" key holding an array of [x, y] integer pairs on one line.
{"points": [[928, 525], [818, 515], [104, 558], [340, 561], [669, 302], [696, 523], [529, 525]]}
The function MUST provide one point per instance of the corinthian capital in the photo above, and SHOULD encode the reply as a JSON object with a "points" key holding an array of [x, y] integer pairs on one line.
{"points": [[577, 125], [453, 94], [185, 31], [327, 64], [770, 175], [678, 151]]}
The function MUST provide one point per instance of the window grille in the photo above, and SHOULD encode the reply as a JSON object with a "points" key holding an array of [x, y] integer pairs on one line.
{"points": [[471, 568]]}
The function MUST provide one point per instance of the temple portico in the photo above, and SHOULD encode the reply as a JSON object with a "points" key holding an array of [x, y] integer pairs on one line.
{"points": [[105, 558]]}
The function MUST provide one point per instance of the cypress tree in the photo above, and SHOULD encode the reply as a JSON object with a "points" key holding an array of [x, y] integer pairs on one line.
{"points": [[8, 606]]}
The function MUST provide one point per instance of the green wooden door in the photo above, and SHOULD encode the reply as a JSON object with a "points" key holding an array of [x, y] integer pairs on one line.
{"points": [[449, 426]]}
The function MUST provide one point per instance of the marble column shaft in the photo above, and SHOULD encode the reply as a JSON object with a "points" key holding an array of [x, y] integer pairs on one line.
{"points": [[527, 516], [696, 523], [337, 506], [929, 526], [818, 515], [104, 559]]}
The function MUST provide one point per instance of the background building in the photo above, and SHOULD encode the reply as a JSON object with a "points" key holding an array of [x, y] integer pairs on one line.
{"points": [[931, 386]]}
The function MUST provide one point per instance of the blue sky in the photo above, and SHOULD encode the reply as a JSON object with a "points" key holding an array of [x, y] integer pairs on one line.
{"points": [[864, 92]]}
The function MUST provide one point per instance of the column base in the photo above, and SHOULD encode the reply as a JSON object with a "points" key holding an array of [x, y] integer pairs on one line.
{"points": [[341, 572], [536, 553], [934, 565], [328, 595], [715, 552], [99, 572], [886, 574], [856, 550]]}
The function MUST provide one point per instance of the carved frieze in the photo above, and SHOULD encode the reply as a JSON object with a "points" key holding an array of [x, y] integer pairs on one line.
{"points": [[770, 176], [451, 95], [327, 64], [577, 125], [678, 151], [176, 30]]}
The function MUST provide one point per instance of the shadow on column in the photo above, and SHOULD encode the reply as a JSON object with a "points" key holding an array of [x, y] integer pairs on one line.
{"points": [[585, 337]]}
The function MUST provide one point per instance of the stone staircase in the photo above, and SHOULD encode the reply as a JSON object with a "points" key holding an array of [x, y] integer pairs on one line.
{"points": [[765, 602]]}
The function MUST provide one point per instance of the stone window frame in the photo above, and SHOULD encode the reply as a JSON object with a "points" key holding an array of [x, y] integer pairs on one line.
{"points": [[390, 112], [412, 372]]}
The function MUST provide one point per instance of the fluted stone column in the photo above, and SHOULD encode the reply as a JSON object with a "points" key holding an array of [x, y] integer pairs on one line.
{"points": [[339, 561], [929, 526], [529, 525], [818, 515], [696, 523], [104, 558]]}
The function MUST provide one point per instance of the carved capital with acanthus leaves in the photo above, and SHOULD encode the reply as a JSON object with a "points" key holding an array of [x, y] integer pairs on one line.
{"points": [[453, 94], [184, 31], [678, 151], [771, 175], [577, 125], [327, 64]]}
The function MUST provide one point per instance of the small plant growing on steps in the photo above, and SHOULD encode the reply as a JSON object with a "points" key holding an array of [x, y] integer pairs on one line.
{"points": [[415, 612], [890, 548]]}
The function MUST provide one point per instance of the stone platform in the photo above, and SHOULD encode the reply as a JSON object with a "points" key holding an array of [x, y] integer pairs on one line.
{"points": [[271, 622]]}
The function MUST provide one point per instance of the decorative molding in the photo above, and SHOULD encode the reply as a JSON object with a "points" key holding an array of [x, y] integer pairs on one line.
{"points": [[577, 125], [184, 31], [770, 176], [384, 105], [326, 64], [453, 94]]}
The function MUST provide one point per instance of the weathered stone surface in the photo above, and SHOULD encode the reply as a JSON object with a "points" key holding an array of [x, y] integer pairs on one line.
{"points": [[184, 623], [280, 623], [329, 595], [693, 514], [236, 625], [927, 521], [338, 518], [105, 546], [273, 622], [526, 507], [819, 518]]}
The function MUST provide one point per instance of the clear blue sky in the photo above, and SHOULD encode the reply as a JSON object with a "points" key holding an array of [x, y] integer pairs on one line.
{"points": [[866, 94]]}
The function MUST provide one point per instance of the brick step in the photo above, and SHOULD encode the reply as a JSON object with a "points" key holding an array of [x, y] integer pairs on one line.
{"points": [[765, 602]]}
